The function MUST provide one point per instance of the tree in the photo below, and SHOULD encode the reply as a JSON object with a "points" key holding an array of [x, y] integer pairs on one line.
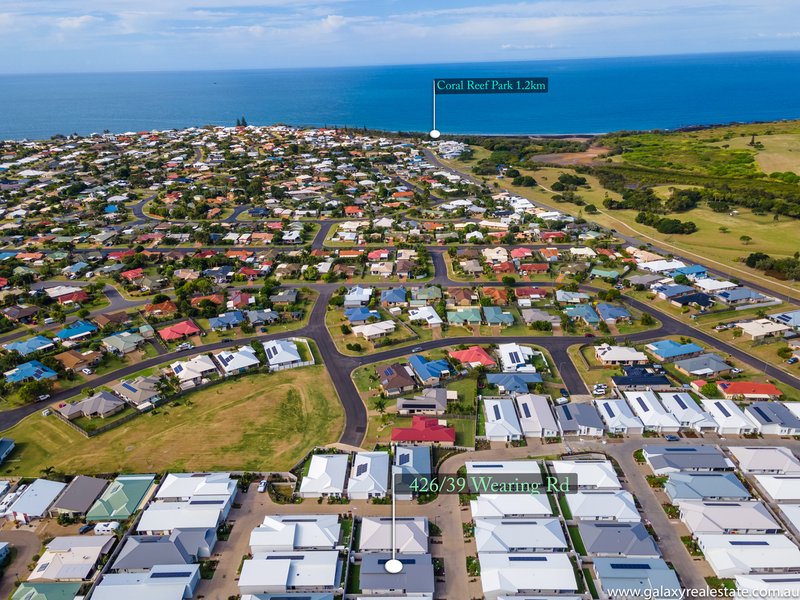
{"points": [[379, 404], [30, 392], [648, 320], [709, 390], [745, 239], [724, 229]]}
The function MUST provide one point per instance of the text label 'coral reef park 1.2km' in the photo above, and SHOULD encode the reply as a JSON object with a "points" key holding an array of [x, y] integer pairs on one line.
{"points": [[492, 85]]}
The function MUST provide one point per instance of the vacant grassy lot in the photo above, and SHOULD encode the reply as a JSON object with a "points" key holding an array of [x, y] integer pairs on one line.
{"points": [[255, 423], [781, 152]]}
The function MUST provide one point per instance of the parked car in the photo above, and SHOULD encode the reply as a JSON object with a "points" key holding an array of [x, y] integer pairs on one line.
{"points": [[793, 360], [85, 528], [417, 349], [86, 371], [588, 335], [564, 392], [736, 371], [44, 397], [262, 486], [671, 437], [562, 400]]}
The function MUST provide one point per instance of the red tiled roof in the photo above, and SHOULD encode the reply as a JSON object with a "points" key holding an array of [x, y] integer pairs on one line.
{"points": [[748, 388], [178, 330], [424, 429], [473, 354]]}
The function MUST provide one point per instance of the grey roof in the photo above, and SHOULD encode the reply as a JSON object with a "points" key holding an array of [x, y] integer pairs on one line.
{"points": [[682, 458], [142, 552], [80, 494], [643, 574], [705, 363], [770, 413], [705, 486], [612, 538], [573, 416], [430, 399], [416, 576]]}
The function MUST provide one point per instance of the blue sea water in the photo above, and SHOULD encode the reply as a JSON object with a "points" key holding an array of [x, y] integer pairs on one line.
{"points": [[586, 96]]}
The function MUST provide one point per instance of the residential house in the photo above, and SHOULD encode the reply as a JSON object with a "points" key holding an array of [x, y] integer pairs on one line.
{"points": [[102, 404], [611, 356], [501, 421], [425, 430], [123, 343], [326, 476], [397, 379], [429, 372], [142, 391], [234, 362], [580, 419], [535, 416]]}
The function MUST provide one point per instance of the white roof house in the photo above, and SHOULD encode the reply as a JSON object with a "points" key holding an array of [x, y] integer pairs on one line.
{"points": [[776, 460], [535, 416], [326, 476], [780, 488], [178, 487], [727, 517], [588, 474], [519, 535], [161, 582], [711, 286], [281, 354], [410, 535], [520, 573], [369, 476], [34, 501], [659, 266], [357, 296], [654, 416], [502, 424], [732, 554], [71, 558], [792, 514], [194, 369], [511, 505], [285, 533], [687, 412], [616, 505], [761, 328], [618, 417], [516, 359], [371, 331], [729, 417], [619, 355], [276, 573], [762, 586], [237, 361], [161, 518], [425, 313]]}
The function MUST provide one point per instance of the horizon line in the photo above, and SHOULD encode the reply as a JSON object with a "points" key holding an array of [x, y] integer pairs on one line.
{"points": [[390, 65]]}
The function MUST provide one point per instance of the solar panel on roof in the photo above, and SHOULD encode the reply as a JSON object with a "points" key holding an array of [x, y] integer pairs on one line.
{"points": [[405, 561], [516, 522], [783, 579], [608, 410], [170, 574], [629, 566], [680, 402], [567, 413], [281, 557], [128, 386], [526, 410], [403, 459], [763, 415], [721, 408], [361, 469], [749, 543], [514, 357], [527, 559], [642, 404], [209, 502], [496, 411]]}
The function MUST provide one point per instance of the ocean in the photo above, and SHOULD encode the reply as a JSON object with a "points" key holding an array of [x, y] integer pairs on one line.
{"points": [[585, 96]]}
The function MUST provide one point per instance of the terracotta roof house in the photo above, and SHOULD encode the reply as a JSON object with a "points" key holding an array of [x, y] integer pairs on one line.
{"points": [[179, 331], [474, 356], [72, 359], [460, 296], [217, 299], [168, 307], [425, 430], [496, 294]]}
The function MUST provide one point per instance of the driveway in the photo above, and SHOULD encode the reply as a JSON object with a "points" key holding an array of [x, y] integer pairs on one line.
{"points": [[26, 544]]}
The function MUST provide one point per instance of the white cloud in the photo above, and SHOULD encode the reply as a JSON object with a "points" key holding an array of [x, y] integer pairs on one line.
{"points": [[77, 22]]}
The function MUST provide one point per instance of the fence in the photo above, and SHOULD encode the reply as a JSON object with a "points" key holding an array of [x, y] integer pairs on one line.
{"points": [[102, 429]]}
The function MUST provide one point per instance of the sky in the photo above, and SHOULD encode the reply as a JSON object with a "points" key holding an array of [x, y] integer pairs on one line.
{"points": [[53, 36]]}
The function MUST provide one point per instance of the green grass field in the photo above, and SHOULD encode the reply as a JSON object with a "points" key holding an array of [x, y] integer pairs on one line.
{"points": [[254, 423]]}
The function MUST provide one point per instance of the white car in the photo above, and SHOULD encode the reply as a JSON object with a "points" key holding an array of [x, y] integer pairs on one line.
{"points": [[44, 397], [262, 486], [562, 400], [86, 371]]}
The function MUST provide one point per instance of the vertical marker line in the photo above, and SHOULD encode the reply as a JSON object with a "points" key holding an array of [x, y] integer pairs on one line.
{"points": [[434, 106], [394, 496]]}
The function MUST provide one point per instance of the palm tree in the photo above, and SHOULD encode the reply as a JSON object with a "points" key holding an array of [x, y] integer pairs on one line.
{"points": [[379, 404]]}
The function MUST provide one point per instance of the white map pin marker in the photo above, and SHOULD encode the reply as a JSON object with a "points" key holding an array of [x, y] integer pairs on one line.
{"points": [[435, 133], [393, 566]]}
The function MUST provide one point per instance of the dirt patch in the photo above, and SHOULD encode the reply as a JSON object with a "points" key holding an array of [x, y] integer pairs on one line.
{"points": [[572, 158]]}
